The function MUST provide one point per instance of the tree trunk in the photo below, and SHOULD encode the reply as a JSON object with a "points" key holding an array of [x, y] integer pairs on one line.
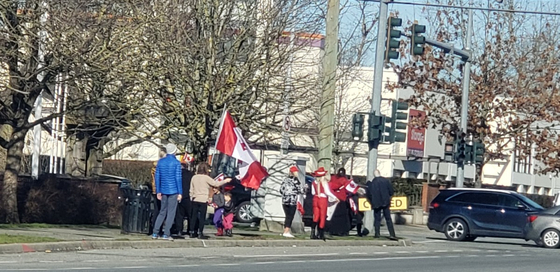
{"points": [[9, 188]]}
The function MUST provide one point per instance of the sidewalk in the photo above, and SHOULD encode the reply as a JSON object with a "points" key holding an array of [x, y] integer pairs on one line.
{"points": [[87, 238]]}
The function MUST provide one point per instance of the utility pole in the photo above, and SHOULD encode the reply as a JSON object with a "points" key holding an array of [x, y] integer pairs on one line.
{"points": [[288, 89], [465, 95], [378, 79], [330, 63]]}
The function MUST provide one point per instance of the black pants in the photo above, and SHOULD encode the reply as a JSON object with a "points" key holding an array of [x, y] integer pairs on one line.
{"points": [[183, 211], [198, 217], [155, 212], [377, 219], [289, 211]]}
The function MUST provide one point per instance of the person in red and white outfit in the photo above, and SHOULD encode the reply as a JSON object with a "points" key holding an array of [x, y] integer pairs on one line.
{"points": [[321, 193]]}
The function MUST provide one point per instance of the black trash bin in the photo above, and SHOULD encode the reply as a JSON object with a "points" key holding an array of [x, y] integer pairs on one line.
{"points": [[136, 210]]}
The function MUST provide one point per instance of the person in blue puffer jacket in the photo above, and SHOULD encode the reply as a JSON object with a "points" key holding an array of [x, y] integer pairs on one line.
{"points": [[169, 189]]}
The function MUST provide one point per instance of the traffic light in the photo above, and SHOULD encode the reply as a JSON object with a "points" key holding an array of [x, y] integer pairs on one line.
{"points": [[375, 128], [357, 127], [461, 148], [478, 152], [396, 115], [469, 154], [449, 151], [392, 46], [416, 40]]}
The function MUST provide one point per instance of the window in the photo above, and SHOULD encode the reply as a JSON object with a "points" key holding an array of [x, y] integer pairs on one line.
{"points": [[476, 198], [510, 201]]}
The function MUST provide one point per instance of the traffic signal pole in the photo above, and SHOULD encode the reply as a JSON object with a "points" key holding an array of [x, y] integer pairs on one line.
{"points": [[465, 95], [378, 80]]}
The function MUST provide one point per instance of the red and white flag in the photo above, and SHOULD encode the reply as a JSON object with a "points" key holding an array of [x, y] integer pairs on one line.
{"points": [[231, 142], [300, 204], [352, 187]]}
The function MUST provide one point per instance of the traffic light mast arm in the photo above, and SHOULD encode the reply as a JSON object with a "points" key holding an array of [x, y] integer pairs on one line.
{"points": [[448, 48]]}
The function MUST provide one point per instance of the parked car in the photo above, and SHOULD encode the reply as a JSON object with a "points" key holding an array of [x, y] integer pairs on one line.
{"points": [[544, 228], [465, 214]]}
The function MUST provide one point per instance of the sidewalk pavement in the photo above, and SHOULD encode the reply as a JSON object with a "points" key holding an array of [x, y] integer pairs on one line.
{"points": [[87, 238]]}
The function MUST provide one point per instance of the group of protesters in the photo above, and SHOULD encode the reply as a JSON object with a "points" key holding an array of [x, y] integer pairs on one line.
{"points": [[335, 199], [181, 195]]}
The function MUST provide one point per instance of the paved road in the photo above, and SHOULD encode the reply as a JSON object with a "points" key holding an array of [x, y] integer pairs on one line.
{"points": [[429, 253]]}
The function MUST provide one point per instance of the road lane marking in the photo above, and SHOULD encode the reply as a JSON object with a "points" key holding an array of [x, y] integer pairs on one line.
{"points": [[357, 253], [422, 251], [441, 251], [457, 250], [95, 261], [50, 261], [286, 255], [402, 252], [381, 253]]}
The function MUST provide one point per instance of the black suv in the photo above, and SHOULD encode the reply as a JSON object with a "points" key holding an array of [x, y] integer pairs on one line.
{"points": [[464, 214]]}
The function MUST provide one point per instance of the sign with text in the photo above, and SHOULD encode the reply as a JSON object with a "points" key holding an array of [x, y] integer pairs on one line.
{"points": [[416, 133], [398, 203]]}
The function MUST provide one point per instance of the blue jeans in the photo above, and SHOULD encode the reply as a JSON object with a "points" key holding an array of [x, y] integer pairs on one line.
{"points": [[167, 213]]}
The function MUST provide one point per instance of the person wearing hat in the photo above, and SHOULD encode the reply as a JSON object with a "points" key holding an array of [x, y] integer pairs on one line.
{"points": [[169, 189], [321, 193], [290, 189]]}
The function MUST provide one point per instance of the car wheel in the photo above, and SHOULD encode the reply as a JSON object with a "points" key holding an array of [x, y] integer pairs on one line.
{"points": [[470, 238], [550, 238], [456, 229], [243, 214]]}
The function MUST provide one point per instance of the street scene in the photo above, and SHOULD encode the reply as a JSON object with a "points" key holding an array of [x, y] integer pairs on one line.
{"points": [[324, 135]]}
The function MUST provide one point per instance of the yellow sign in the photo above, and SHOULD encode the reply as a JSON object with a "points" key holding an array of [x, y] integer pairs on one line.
{"points": [[397, 203], [363, 204]]}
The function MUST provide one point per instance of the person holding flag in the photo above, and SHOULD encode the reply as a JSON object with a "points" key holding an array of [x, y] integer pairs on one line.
{"points": [[200, 198], [340, 221], [290, 189], [321, 193]]}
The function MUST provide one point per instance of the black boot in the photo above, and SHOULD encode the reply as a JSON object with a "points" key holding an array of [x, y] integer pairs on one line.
{"points": [[313, 230], [359, 230], [228, 233], [322, 234]]}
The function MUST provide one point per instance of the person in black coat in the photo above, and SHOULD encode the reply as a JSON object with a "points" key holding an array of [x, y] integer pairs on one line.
{"points": [[184, 207], [380, 194]]}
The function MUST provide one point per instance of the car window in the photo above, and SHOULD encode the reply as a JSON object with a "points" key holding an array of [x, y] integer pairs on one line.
{"points": [[510, 201], [532, 204], [476, 198]]}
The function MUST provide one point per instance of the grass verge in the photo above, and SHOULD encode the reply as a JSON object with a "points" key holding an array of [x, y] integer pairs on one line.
{"points": [[44, 226], [21, 239]]}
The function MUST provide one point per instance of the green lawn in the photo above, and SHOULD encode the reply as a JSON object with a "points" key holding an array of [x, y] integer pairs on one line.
{"points": [[43, 226], [21, 239]]}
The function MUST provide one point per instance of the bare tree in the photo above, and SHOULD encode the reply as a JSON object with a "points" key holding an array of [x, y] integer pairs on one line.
{"points": [[513, 81], [41, 40]]}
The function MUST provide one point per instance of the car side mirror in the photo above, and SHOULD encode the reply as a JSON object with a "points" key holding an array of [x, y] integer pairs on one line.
{"points": [[521, 207]]}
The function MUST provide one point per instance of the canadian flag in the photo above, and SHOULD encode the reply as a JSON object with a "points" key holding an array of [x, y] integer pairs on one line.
{"points": [[352, 187], [231, 142], [299, 206]]}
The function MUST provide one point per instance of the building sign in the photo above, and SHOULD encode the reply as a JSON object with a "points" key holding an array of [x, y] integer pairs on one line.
{"points": [[416, 133], [398, 203]]}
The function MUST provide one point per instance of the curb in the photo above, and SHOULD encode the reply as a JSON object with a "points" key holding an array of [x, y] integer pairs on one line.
{"points": [[99, 244]]}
